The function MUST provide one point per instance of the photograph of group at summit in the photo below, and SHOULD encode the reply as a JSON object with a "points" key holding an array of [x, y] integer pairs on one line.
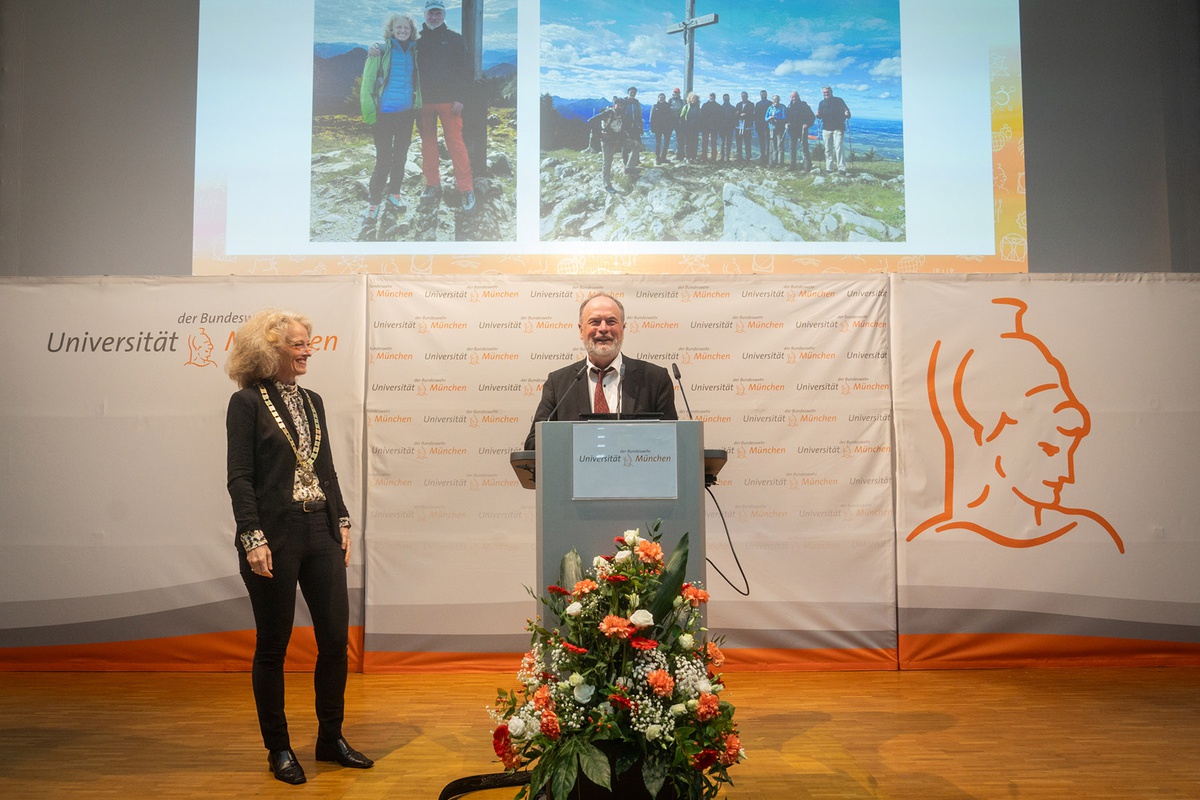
{"points": [[755, 122]]}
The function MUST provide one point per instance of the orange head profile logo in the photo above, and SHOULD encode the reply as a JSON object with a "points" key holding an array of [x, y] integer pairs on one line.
{"points": [[1011, 426], [200, 349]]}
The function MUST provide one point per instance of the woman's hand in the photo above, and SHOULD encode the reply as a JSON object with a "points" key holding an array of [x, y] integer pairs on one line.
{"points": [[346, 545], [260, 561]]}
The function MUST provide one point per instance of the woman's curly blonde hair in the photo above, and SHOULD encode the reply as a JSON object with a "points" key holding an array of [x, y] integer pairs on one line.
{"points": [[258, 346]]}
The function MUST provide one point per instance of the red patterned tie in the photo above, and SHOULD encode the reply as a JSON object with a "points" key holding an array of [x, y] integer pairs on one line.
{"points": [[600, 403]]}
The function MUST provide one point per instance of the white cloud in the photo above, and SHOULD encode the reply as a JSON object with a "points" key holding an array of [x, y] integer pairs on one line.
{"points": [[647, 49], [825, 60], [887, 68]]}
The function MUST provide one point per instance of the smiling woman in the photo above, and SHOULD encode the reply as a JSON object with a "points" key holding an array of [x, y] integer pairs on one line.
{"points": [[293, 529]]}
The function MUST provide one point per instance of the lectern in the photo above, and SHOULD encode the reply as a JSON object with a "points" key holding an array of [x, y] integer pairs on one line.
{"points": [[597, 479]]}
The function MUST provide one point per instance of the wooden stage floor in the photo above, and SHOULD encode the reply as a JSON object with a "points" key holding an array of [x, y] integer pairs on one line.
{"points": [[931, 735]]}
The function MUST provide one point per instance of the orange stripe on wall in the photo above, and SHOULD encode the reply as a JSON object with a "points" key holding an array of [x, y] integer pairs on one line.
{"points": [[1003, 650], [230, 651], [761, 659]]}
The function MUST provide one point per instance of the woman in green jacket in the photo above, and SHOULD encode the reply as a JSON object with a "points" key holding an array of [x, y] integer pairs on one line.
{"points": [[389, 103]]}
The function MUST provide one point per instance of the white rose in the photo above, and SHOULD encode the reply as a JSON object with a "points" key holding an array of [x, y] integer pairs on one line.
{"points": [[686, 641], [599, 561], [583, 693], [574, 610], [641, 618], [576, 679], [516, 728], [653, 732], [703, 685], [678, 710], [631, 537], [622, 555]]}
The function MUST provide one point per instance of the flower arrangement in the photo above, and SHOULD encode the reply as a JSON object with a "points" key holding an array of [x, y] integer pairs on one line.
{"points": [[625, 679]]}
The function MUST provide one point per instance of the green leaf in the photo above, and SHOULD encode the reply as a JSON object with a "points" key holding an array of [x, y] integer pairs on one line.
{"points": [[570, 571], [654, 775], [595, 765], [672, 581], [562, 780]]}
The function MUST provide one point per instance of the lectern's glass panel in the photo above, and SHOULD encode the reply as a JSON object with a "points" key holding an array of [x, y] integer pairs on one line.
{"points": [[624, 461]]}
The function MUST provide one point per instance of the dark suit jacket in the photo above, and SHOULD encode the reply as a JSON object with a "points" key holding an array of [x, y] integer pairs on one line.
{"points": [[261, 465], [645, 388]]}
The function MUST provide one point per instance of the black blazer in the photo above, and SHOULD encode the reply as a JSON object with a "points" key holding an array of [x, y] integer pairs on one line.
{"points": [[645, 388], [261, 465]]}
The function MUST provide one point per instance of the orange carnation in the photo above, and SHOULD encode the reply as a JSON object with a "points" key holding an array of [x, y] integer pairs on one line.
{"points": [[618, 627], [661, 682], [708, 708], [649, 552], [694, 596], [733, 750], [584, 587], [550, 726], [715, 656], [542, 700]]}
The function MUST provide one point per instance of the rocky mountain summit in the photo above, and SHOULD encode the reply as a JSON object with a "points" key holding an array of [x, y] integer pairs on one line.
{"points": [[342, 160], [729, 202]]}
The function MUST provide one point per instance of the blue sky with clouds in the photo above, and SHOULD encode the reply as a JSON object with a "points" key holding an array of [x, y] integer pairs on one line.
{"points": [[597, 48], [361, 21]]}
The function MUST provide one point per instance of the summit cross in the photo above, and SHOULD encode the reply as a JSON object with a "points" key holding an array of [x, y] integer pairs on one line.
{"points": [[687, 28]]}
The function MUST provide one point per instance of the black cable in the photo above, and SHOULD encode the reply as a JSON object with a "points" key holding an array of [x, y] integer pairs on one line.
{"points": [[736, 560]]}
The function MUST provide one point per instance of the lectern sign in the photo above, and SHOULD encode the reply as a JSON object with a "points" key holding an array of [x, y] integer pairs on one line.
{"points": [[625, 460]]}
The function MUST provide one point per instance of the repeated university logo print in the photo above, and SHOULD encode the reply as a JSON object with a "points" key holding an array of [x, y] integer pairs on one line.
{"points": [[1011, 426]]}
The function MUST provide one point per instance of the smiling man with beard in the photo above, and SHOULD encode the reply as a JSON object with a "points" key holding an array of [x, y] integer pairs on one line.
{"points": [[607, 380]]}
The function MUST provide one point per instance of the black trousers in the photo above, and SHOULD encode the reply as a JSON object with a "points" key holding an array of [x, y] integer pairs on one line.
{"points": [[393, 132], [314, 561]]}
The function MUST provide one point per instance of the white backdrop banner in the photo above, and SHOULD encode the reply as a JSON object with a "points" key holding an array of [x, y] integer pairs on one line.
{"points": [[1047, 432], [1041, 456], [118, 537], [790, 375]]}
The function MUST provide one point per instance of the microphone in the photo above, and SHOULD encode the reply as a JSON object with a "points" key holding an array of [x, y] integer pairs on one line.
{"points": [[574, 381], [620, 388], [675, 369]]}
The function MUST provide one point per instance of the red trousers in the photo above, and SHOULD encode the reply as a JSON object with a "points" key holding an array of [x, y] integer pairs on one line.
{"points": [[427, 119]]}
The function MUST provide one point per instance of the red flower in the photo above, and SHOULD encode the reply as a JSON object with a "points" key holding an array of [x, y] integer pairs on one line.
{"points": [[622, 701], [502, 744], [642, 643], [555, 589], [616, 578], [704, 759], [500, 738], [573, 648], [619, 541]]}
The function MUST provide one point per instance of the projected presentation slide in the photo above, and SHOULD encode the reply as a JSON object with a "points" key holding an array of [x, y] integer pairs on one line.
{"points": [[340, 136]]}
